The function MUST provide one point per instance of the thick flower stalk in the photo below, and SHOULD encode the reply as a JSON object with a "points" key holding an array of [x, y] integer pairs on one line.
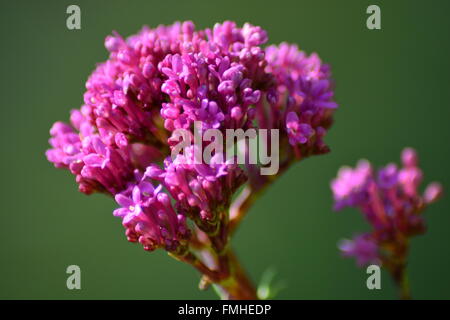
{"points": [[391, 202], [122, 139]]}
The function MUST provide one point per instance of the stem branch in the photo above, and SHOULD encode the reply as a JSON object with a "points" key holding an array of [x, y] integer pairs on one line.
{"points": [[237, 286]]}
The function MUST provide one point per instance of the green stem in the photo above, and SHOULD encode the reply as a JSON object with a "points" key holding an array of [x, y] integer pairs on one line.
{"points": [[237, 285], [227, 276], [397, 269], [401, 279]]}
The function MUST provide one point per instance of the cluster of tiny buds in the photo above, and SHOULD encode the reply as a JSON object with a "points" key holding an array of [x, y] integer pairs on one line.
{"points": [[167, 78]]}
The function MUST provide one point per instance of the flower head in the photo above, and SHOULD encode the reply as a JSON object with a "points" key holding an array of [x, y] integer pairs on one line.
{"points": [[163, 79]]}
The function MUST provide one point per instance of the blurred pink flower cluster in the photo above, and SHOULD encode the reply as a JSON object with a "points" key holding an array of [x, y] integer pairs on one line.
{"points": [[390, 201]]}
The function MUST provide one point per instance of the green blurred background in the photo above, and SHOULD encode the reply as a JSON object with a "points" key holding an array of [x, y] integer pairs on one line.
{"points": [[393, 91]]}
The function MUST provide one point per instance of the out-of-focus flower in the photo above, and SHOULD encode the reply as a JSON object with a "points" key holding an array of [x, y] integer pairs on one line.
{"points": [[390, 201], [350, 185], [362, 248]]}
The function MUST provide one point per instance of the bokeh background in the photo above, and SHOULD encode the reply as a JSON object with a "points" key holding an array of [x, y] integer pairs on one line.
{"points": [[393, 91]]}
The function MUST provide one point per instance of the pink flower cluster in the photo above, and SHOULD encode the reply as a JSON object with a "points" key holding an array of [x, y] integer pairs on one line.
{"points": [[390, 201], [166, 78]]}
